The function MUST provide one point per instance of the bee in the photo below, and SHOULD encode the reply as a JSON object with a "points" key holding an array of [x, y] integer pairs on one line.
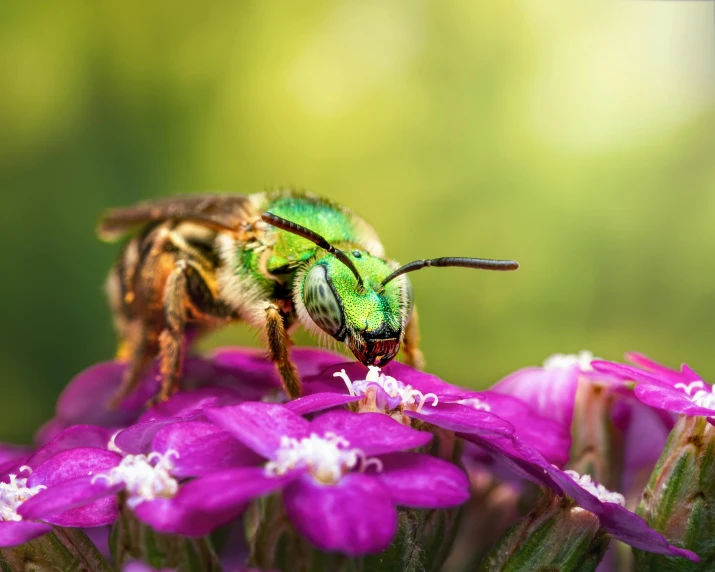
{"points": [[274, 260]]}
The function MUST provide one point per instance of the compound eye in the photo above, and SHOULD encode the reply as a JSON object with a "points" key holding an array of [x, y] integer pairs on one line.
{"points": [[321, 302]]}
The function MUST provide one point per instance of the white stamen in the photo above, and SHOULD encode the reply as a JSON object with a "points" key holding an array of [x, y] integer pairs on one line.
{"points": [[597, 490], [688, 387], [328, 458], [475, 403], [563, 361], [13, 494], [112, 446], [392, 387], [346, 379], [702, 397], [143, 480]]}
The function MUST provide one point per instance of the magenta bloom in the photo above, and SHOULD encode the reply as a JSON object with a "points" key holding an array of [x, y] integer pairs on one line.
{"points": [[398, 388], [226, 376], [342, 475], [682, 392], [154, 459], [608, 506], [62, 466], [550, 390]]}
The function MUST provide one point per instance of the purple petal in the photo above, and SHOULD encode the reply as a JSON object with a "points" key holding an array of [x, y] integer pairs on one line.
{"points": [[209, 502], [73, 463], [13, 452], [71, 438], [49, 430], [423, 481], [669, 399], [248, 368], [645, 435], [355, 516], [203, 449], [654, 367], [549, 392], [311, 361], [260, 426], [78, 503], [688, 375], [137, 439], [258, 371], [13, 533], [373, 433], [523, 460], [458, 417], [622, 524], [85, 399], [190, 403], [629, 373], [319, 402]]}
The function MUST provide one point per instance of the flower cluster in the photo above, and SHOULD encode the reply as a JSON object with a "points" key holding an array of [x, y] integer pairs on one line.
{"points": [[340, 468]]}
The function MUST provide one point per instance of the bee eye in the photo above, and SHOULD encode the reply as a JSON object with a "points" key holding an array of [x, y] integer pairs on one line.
{"points": [[322, 303]]}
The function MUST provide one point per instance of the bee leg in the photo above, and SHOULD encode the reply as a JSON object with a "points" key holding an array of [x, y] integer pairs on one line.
{"points": [[135, 350], [171, 339], [412, 354], [278, 343]]}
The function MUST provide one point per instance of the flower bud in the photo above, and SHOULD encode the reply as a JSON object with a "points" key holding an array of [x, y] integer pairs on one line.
{"points": [[679, 500], [555, 535], [61, 549]]}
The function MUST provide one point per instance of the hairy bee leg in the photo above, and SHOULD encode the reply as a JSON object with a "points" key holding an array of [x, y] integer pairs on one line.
{"points": [[413, 355], [135, 350], [171, 339], [278, 343]]}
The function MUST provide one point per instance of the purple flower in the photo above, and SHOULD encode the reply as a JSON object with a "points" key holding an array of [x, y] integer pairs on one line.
{"points": [[342, 475], [62, 467], [550, 390], [147, 463], [608, 506], [682, 392], [405, 393], [226, 376]]}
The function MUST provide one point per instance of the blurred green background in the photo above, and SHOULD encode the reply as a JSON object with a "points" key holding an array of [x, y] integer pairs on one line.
{"points": [[575, 137]]}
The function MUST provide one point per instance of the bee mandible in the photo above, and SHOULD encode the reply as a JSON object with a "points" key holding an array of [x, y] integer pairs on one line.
{"points": [[274, 260]]}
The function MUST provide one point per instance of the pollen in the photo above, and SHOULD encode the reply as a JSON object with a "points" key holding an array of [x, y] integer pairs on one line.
{"points": [[327, 458], [13, 494], [597, 490], [399, 394], [145, 477]]}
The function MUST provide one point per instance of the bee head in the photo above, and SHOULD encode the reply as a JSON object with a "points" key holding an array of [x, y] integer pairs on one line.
{"points": [[363, 300], [369, 317]]}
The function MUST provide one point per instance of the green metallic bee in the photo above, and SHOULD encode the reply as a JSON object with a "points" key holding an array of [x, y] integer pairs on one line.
{"points": [[271, 259]]}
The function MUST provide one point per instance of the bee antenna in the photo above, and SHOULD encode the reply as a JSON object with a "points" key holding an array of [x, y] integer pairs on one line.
{"points": [[481, 263], [312, 236]]}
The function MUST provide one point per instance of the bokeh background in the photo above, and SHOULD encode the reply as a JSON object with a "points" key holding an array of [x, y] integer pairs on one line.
{"points": [[576, 137]]}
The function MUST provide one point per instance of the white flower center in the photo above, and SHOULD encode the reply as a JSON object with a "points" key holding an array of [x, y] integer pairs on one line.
{"points": [[475, 403], [13, 494], [407, 394], [563, 361], [327, 457], [698, 393], [599, 491], [145, 477]]}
